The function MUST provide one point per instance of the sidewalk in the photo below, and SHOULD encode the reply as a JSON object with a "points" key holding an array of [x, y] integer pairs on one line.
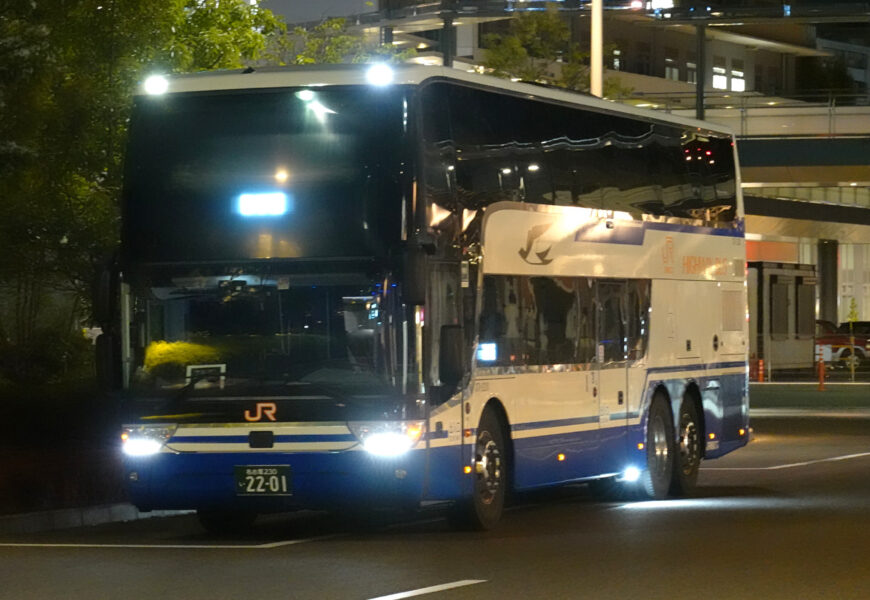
{"points": [[808, 396], [77, 517]]}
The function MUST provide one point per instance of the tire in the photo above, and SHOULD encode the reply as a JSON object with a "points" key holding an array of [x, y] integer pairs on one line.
{"points": [[656, 478], [491, 466], [687, 458], [225, 521]]}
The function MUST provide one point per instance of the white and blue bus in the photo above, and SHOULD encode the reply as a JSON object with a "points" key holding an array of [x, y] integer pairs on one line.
{"points": [[357, 287]]}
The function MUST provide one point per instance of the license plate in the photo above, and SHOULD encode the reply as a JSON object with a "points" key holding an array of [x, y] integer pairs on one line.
{"points": [[263, 480]]}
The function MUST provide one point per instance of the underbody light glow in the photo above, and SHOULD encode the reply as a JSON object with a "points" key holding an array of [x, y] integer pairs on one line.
{"points": [[631, 474], [270, 204]]}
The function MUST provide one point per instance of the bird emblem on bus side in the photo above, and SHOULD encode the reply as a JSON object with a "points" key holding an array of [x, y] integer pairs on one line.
{"points": [[533, 234]]}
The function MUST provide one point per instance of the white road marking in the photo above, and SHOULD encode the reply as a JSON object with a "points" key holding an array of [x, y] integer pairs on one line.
{"points": [[267, 546], [431, 589], [790, 465]]}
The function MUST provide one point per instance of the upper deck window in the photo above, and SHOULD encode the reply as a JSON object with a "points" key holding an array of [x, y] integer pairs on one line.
{"points": [[482, 146], [287, 173]]}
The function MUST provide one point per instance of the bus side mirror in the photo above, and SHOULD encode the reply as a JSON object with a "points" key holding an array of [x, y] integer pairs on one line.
{"points": [[451, 355], [414, 275]]}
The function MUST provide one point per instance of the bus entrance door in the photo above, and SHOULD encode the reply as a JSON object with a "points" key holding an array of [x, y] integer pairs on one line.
{"points": [[612, 377]]}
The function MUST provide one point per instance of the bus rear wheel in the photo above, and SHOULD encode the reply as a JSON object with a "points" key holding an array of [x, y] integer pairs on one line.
{"points": [[656, 478], [687, 459], [484, 509]]}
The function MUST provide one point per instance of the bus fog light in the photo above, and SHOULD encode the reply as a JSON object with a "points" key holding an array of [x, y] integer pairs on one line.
{"points": [[387, 438]]}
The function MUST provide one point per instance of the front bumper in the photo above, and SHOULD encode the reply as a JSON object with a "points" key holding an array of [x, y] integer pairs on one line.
{"points": [[168, 481]]}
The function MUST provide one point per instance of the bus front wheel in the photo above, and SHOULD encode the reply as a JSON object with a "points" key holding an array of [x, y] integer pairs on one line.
{"points": [[656, 478], [489, 470]]}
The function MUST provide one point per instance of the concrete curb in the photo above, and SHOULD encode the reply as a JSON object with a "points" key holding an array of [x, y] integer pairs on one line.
{"points": [[78, 517]]}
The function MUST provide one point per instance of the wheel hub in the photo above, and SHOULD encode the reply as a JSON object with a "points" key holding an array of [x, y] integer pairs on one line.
{"points": [[488, 468], [690, 445], [660, 448]]}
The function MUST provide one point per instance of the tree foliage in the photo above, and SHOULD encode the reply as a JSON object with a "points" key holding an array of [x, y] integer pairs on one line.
{"points": [[331, 42], [538, 47], [67, 72]]}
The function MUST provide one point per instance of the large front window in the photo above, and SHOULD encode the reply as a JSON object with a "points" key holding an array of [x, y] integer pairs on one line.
{"points": [[245, 335]]}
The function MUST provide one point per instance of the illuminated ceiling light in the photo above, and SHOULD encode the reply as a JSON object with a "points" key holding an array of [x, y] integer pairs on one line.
{"points": [[421, 45], [853, 184], [320, 111], [269, 204], [636, 4], [380, 74], [281, 175], [156, 85], [533, 168], [305, 95], [507, 171]]}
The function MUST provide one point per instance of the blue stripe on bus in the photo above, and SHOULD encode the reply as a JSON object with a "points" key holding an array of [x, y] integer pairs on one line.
{"points": [[677, 227], [243, 439], [554, 423], [632, 233]]}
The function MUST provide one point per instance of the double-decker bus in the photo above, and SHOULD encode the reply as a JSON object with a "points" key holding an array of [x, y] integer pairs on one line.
{"points": [[358, 287]]}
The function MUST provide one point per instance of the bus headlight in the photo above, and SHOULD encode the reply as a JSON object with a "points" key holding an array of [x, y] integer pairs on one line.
{"points": [[145, 440], [387, 438]]}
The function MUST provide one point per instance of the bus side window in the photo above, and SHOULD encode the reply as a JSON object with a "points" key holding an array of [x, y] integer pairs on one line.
{"points": [[586, 320], [612, 339], [637, 294]]}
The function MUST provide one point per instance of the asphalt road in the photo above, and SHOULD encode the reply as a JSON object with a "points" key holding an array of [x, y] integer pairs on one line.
{"points": [[786, 517]]}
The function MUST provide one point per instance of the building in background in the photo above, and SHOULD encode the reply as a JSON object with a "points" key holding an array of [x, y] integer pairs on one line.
{"points": [[789, 78]]}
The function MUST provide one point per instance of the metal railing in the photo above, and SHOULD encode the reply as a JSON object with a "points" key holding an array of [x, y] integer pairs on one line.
{"points": [[825, 112]]}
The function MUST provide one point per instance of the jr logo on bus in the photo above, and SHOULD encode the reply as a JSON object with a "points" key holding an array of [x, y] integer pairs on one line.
{"points": [[528, 254], [264, 409]]}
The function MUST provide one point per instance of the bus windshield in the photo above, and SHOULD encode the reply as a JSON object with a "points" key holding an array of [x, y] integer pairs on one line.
{"points": [[280, 173], [242, 335]]}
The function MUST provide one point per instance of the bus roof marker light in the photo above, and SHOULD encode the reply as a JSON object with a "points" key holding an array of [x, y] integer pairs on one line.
{"points": [[271, 204], [155, 85], [380, 74]]}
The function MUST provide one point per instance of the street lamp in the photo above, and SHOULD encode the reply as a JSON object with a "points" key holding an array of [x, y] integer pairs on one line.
{"points": [[596, 53]]}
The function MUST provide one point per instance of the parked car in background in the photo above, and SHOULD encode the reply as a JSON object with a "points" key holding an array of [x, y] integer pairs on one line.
{"points": [[837, 346]]}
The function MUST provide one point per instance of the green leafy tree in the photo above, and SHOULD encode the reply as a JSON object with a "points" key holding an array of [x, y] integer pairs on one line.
{"points": [[331, 42], [67, 72], [538, 47]]}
